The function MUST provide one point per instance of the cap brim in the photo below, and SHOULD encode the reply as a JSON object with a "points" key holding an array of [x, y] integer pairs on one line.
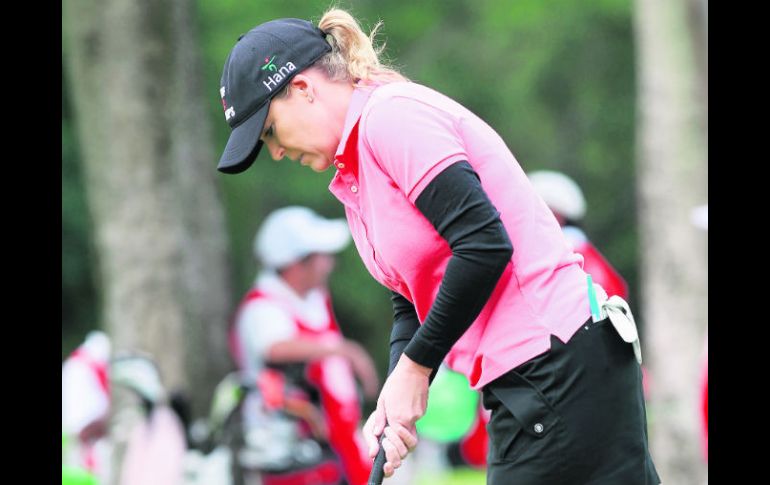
{"points": [[244, 143]]}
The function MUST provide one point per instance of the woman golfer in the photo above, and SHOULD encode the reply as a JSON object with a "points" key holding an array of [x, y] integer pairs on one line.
{"points": [[443, 215]]}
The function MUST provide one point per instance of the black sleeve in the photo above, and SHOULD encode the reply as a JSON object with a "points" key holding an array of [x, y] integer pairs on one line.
{"points": [[457, 206], [405, 324]]}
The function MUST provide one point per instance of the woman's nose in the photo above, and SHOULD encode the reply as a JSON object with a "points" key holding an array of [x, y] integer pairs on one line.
{"points": [[276, 151]]}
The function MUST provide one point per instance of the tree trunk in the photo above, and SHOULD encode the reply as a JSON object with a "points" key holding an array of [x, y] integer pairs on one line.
{"points": [[134, 72], [672, 173]]}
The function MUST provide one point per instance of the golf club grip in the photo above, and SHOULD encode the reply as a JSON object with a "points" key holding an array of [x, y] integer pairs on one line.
{"points": [[378, 474]]}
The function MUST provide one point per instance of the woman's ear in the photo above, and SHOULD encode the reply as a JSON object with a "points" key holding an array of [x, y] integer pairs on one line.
{"points": [[303, 85]]}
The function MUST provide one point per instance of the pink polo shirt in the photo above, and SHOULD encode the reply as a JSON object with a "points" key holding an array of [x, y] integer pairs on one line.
{"points": [[397, 138]]}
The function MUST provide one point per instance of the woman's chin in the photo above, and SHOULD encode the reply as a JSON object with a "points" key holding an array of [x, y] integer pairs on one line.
{"points": [[319, 165]]}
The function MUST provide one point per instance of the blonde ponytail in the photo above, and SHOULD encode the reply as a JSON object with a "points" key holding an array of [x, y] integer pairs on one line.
{"points": [[353, 57]]}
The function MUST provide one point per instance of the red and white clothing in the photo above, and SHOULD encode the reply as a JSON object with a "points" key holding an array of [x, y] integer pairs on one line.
{"points": [[85, 401], [272, 318], [273, 312], [85, 391], [397, 138], [595, 264]]}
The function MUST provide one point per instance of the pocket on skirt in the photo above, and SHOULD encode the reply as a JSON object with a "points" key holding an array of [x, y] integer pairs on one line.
{"points": [[522, 421]]}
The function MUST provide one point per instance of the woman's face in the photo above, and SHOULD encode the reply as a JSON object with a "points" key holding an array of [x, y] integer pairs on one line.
{"points": [[298, 126]]}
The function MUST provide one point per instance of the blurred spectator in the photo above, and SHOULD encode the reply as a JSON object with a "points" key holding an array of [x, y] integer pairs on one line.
{"points": [[566, 201], [286, 339], [155, 439], [86, 406]]}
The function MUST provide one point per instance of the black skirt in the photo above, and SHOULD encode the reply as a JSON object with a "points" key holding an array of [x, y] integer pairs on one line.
{"points": [[571, 416]]}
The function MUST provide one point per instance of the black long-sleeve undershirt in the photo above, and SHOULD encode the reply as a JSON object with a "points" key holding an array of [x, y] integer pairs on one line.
{"points": [[405, 325], [457, 206]]}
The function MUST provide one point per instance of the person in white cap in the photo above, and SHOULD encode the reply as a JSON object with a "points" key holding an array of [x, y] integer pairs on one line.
{"points": [[86, 404], [565, 199], [286, 320]]}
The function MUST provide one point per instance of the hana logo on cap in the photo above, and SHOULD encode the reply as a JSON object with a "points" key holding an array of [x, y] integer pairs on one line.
{"points": [[280, 74], [269, 64]]}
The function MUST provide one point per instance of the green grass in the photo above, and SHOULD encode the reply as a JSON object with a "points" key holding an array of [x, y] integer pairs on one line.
{"points": [[458, 476]]}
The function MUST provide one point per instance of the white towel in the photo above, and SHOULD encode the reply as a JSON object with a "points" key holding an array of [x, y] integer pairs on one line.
{"points": [[622, 319]]}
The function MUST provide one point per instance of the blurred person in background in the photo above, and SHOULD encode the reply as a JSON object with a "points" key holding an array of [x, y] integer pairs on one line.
{"points": [[151, 433], [443, 215], [149, 425], [565, 199], [86, 406], [286, 334]]}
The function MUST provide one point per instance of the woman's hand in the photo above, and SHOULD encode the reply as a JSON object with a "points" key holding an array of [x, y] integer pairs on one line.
{"points": [[402, 402]]}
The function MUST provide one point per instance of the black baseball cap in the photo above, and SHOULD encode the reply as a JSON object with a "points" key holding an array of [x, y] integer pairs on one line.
{"points": [[262, 62]]}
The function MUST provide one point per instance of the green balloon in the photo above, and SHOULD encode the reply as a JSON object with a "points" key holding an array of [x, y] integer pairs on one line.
{"points": [[72, 475], [452, 408]]}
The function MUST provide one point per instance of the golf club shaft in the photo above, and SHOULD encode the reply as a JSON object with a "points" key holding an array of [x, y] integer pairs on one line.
{"points": [[378, 474]]}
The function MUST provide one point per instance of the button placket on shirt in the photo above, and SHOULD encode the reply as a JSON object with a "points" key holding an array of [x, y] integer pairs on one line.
{"points": [[348, 179], [348, 172]]}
